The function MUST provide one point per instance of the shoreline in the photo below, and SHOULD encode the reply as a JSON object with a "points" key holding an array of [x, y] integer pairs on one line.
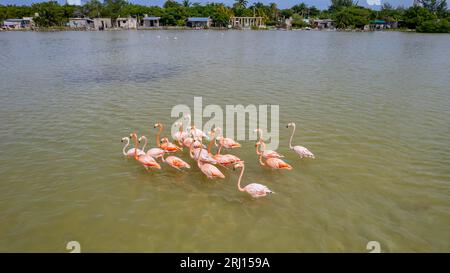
{"points": [[61, 29]]}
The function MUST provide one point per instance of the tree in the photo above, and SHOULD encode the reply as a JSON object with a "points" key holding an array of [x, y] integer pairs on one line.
{"points": [[353, 17], [50, 14], [434, 26], [171, 4], [415, 16], [438, 7], [186, 3], [240, 4], [340, 4], [113, 8], [286, 13], [92, 8]]}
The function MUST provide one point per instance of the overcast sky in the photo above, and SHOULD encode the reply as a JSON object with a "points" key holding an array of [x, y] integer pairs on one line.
{"points": [[322, 4]]}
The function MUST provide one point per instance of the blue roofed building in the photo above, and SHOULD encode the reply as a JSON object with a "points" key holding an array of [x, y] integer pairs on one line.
{"points": [[199, 22]]}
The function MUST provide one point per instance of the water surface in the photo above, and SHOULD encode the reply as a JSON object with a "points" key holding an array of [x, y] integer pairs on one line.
{"points": [[373, 107]]}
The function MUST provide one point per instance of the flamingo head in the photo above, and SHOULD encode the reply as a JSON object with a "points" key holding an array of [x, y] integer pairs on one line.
{"points": [[290, 124], [238, 165], [197, 144], [133, 136], [164, 140], [142, 137], [157, 125], [124, 139]]}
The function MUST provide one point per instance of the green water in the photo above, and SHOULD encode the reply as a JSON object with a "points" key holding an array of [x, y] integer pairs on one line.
{"points": [[373, 107]]}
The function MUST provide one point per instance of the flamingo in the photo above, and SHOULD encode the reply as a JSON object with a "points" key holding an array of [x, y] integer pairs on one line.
{"points": [[226, 141], [254, 189], [272, 162], [224, 160], [300, 150], [130, 152], [266, 153], [167, 146], [198, 153], [176, 162], [180, 135], [196, 133], [146, 160], [209, 170], [153, 152]]}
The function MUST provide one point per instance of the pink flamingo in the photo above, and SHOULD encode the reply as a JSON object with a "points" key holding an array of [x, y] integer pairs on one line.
{"points": [[153, 152], [196, 133], [226, 141], [272, 162], [300, 150], [168, 146], [130, 152], [145, 160], [180, 135], [254, 189], [224, 160], [266, 153], [209, 170], [176, 162], [198, 153]]}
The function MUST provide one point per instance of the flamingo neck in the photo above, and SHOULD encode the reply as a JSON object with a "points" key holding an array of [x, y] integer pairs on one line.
{"points": [[145, 143], [261, 161], [240, 177], [260, 134], [257, 150], [125, 147], [158, 136], [213, 140], [135, 147], [292, 136], [220, 148]]}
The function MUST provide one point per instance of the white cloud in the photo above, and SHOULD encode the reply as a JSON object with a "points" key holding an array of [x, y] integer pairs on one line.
{"points": [[374, 2]]}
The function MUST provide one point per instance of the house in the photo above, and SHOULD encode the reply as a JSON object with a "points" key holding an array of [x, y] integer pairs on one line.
{"points": [[199, 22], [126, 23], [378, 25], [102, 23], [323, 24], [81, 23], [150, 22], [246, 22], [24, 23]]}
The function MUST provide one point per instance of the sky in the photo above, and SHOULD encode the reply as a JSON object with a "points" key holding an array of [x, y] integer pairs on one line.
{"points": [[322, 4]]}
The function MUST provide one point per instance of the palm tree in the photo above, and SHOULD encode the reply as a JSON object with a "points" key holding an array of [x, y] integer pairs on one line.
{"points": [[186, 3], [240, 4]]}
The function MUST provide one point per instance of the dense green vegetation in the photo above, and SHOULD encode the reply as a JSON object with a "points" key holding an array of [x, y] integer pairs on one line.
{"points": [[432, 16]]}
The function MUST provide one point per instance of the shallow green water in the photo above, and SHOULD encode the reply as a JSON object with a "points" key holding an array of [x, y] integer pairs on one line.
{"points": [[373, 107]]}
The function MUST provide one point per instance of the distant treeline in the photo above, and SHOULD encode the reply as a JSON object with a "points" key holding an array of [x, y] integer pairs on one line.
{"points": [[430, 16]]}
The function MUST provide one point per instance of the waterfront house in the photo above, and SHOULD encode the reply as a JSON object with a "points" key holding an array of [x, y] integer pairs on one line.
{"points": [[24, 23], [102, 23], [378, 25], [150, 22], [81, 23], [199, 22], [323, 23], [246, 22], [126, 23]]}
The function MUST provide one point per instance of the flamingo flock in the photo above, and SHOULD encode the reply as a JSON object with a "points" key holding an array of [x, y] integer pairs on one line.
{"points": [[207, 162]]}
